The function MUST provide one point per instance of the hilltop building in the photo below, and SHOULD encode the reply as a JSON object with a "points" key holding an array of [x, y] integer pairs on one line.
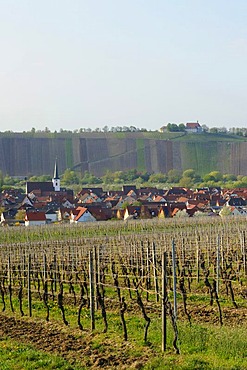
{"points": [[190, 128], [193, 128]]}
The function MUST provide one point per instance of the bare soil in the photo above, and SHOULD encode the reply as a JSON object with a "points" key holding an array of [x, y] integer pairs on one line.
{"points": [[77, 349]]}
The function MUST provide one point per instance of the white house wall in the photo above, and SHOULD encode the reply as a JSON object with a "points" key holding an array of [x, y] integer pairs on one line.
{"points": [[35, 223], [86, 217], [53, 217]]}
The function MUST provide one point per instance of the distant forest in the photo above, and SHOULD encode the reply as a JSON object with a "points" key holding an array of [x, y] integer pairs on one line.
{"points": [[188, 179], [171, 127]]}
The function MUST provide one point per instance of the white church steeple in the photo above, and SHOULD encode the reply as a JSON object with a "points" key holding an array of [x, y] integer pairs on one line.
{"points": [[56, 179]]}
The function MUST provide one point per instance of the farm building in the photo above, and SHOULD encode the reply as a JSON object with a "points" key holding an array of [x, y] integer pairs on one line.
{"points": [[35, 218]]}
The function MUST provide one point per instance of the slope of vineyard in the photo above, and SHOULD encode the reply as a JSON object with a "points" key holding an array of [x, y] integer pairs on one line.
{"points": [[26, 154], [100, 296]]}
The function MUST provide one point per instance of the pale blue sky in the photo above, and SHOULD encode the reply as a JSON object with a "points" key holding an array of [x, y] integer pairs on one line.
{"points": [[89, 63]]}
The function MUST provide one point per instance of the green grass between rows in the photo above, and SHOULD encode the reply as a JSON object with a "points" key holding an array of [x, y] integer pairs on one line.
{"points": [[201, 346]]}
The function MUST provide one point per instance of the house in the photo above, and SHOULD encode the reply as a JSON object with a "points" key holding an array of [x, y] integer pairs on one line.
{"points": [[28, 202], [159, 199], [178, 191], [164, 212], [201, 205], [176, 207], [163, 129], [132, 212], [232, 211], [149, 191], [110, 202], [67, 204], [191, 209], [237, 192], [236, 201], [179, 213], [64, 214], [8, 217], [145, 198], [149, 211], [11, 197], [118, 213], [51, 215], [89, 198], [125, 200], [100, 212], [81, 214], [98, 191], [35, 218], [193, 128], [39, 187], [132, 194], [127, 188]]}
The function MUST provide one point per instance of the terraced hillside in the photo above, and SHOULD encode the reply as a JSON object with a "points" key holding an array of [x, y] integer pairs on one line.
{"points": [[24, 154]]}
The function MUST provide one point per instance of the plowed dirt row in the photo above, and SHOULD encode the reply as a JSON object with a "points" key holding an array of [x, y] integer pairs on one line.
{"points": [[77, 349], [85, 349]]}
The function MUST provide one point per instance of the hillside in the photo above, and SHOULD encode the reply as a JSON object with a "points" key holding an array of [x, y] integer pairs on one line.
{"points": [[24, 154]]}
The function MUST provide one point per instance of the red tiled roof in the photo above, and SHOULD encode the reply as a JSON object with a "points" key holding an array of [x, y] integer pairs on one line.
{"points": [[159, 198], [81, 211], [182, 199], [192, 125], [41, 186], [101, 214], [35, 216]]}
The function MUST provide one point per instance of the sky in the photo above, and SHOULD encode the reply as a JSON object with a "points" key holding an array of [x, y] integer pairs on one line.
{"points": [[75, 64]]}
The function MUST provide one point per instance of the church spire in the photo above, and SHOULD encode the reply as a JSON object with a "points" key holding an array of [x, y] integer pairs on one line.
{"points": [[56, 179]]}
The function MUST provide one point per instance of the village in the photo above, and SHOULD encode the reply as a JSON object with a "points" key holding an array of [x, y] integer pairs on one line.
{"points": [[49, 203]]}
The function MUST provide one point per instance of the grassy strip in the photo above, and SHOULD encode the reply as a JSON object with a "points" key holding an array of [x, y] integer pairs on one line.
{"points": [[69, 153], [140, 146], [208, 348], [109, 228], [18, 356]]}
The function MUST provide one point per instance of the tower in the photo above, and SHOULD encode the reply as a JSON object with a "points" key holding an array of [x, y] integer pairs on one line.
{"points": [[56, 179]]}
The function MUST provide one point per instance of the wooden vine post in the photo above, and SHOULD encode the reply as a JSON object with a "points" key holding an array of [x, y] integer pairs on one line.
{"points": [[29, 294], [55, 272], [24, 268], [198, 259], [10, 284], [9, 271], [174, 279], [148, 274], [95, 275], [244, 253], [217, 264], [92, 293], [45, 268], [164, 301], [156, 286]]}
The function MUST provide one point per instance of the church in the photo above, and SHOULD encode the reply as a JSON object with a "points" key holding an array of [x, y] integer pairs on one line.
{"points": [[51, 188]]}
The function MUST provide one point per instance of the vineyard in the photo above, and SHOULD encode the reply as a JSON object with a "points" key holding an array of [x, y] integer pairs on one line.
{"points": [[137, 281]]}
